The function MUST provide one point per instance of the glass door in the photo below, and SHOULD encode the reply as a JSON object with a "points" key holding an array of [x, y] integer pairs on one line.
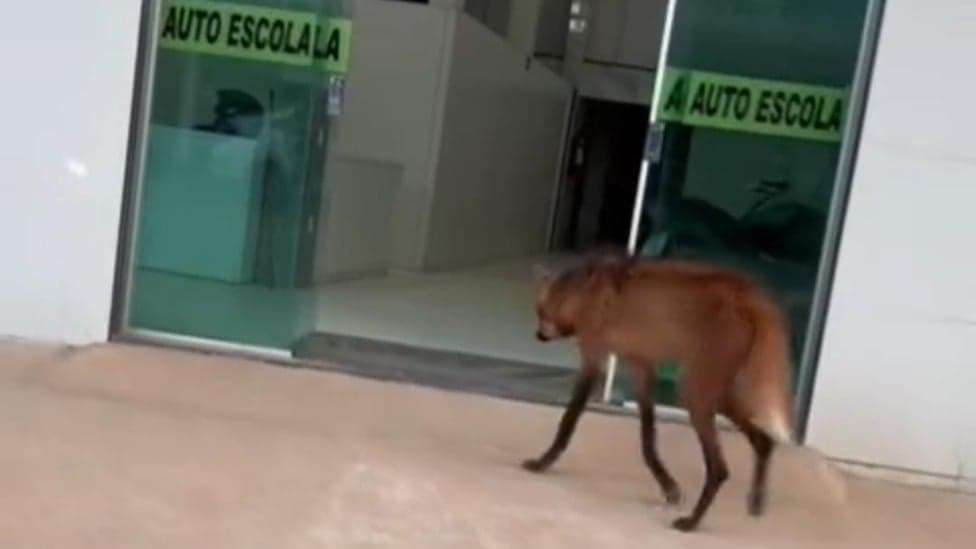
{"points": [[234, 167], [748, 121]]}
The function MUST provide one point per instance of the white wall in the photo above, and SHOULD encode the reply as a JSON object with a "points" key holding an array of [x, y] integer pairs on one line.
{"points": [[523, 23], [898, 365], [391, 116], [493, 14], [65, 104], [626, 32], [439, 111], [503, 132], [355, 237], [552, 27]]}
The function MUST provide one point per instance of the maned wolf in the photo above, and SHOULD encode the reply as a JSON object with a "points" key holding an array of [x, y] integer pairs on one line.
{"points": [[727, 334]]}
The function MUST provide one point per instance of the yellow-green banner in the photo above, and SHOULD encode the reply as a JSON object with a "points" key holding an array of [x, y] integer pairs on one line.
{"points": [[256, 33], [752, 105]]}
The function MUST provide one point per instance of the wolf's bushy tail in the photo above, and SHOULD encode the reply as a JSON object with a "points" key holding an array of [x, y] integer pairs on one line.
{"points": [[763, 385]]}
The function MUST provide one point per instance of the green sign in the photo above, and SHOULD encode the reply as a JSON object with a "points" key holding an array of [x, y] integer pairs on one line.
{"points": [[752, 105], [255, 33]]}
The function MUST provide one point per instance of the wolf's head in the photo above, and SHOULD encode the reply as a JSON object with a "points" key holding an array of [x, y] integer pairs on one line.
{"points": [[564, 299], [557, 306]]}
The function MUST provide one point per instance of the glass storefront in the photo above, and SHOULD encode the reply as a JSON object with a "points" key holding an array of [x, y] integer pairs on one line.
{"points": [[286, 203], [750, 114], [396, 210], [234, 168]]}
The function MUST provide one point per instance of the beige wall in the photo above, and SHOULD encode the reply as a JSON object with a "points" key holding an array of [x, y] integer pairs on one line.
{"points": [[391, 118], [502, 140], [440, 112]]}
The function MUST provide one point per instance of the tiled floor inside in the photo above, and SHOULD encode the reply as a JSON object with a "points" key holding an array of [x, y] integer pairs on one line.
{"points": [[486, 311]]}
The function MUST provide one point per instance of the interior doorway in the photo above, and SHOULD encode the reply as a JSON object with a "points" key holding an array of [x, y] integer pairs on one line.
{"points": [[597, 194]]}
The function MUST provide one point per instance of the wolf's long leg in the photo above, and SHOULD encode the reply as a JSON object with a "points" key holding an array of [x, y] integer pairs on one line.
{"points": [[702, 400], [762, 446], [581, 393], [644, 381]]}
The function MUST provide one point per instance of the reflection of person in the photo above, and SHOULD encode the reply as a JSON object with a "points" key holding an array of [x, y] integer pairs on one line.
{"points": [[235, 113]]}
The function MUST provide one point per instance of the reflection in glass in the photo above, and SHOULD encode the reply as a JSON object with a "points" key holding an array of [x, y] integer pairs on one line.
{"points": [[757, 203]]}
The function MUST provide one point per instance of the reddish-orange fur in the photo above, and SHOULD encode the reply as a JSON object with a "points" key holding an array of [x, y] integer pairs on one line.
{"points": [[727, 334]]}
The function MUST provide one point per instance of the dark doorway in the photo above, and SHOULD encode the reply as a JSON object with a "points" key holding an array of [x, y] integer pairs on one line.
{"points": [[601, 179]]}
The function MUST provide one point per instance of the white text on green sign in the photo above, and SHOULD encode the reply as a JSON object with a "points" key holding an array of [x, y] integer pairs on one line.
{"points": [[752, 105], [256, 33]]}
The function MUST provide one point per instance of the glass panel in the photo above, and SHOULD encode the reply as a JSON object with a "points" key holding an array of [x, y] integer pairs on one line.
{"points": [[446, 171], [752, 109], [234, 168]]}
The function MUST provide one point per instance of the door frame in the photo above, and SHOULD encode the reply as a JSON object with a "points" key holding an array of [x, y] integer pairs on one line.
{"points": [[837, 213], [135, 167]]}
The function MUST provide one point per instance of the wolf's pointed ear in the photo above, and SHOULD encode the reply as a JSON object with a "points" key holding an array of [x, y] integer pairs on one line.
{"points": [[541, 273]]}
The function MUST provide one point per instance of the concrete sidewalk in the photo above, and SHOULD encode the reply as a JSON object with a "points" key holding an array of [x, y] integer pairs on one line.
{"points": [[117, 446]]}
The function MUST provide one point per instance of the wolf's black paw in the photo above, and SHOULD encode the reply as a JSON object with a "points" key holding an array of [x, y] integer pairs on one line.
{"points": [[756, 502], [672, 495], [685, 524], [535, 465]]}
